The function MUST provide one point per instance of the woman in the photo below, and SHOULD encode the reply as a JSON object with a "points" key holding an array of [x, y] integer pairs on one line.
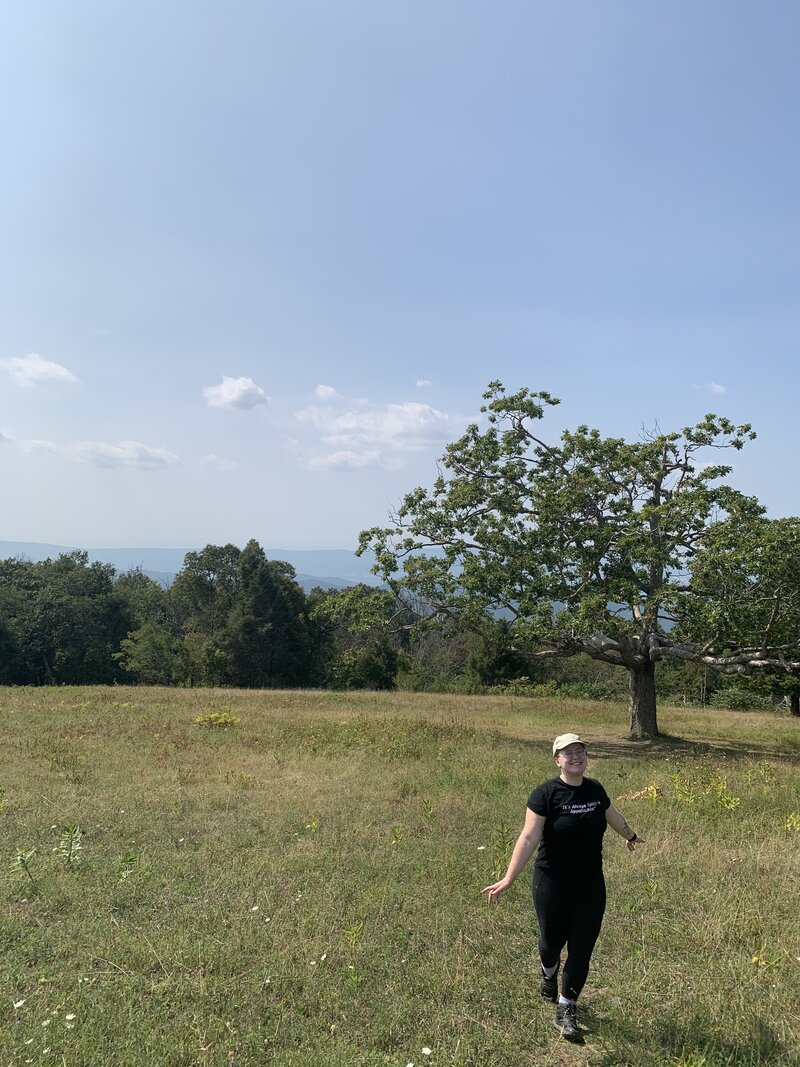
{"points": [[566, 820]]}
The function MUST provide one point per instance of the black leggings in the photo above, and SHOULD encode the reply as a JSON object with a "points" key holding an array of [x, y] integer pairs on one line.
{"points": [[570, 912]]}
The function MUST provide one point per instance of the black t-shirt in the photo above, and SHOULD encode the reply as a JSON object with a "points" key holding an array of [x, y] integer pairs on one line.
{"points": [[572, 840]]}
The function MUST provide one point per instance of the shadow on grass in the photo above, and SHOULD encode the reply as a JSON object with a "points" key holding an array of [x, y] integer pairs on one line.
{"points": [[668, 746], [690, 1040], [682, 747]]}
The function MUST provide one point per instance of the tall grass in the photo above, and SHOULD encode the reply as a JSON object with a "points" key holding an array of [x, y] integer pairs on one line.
{"points": [[301, 886]]}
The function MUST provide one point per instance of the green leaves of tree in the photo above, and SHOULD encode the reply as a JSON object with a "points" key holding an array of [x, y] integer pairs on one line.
{"points": [[585, 543]]}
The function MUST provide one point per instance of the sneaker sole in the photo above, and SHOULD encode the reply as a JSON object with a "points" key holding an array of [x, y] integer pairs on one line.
{"points": [[568, 1035]]}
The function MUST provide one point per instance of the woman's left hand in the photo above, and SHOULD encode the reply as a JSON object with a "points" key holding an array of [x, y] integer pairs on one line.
{"points": [[631, 845]]}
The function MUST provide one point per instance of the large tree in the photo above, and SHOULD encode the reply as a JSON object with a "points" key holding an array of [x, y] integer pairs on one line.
{"points": [[268, 637], [741, 610], [204, 589], [64, 620], [244, 618], [584, 544], [202, 598]]}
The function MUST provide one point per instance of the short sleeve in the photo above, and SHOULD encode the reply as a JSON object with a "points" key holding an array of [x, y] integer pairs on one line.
{"points": [[606, 800], [537, 801]]}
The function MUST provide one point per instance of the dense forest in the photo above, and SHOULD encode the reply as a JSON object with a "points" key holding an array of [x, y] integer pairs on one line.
{"points": [[232, 617]]}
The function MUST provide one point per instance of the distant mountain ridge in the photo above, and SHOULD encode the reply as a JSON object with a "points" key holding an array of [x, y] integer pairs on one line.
{"points": [[328, 568]]}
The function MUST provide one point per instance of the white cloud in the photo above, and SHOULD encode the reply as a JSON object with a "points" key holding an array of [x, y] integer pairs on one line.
{"points": [[125, 454], [8, 437], [326, 392], [712, 387], [240, 393], [367, 435], [423, 383], [349, 461], [217, 463], [33, 370], [405, 427], [38, 446]]}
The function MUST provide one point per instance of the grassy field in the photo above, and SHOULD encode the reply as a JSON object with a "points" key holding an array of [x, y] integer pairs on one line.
{"points": [[302, 887]]}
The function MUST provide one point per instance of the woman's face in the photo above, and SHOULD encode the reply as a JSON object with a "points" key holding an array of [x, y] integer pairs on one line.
{"points": [[572, 759]]}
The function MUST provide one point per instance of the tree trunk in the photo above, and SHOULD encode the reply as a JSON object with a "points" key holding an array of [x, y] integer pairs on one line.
{"points": [[642, 703], [794, 704]]}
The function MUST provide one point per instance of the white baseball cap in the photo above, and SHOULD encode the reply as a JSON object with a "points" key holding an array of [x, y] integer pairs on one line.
{"points": [[566, 739]]}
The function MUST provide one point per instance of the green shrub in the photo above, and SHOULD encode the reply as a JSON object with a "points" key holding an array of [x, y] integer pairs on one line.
{"points": [[739, 698], [218, 719]]}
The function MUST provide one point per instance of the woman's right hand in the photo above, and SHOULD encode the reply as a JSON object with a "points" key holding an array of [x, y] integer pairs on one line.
{"points": [[493, 892], [527, 842]]}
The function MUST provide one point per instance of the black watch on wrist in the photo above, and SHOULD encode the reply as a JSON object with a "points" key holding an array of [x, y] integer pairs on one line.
{"points": [[630, 840]]}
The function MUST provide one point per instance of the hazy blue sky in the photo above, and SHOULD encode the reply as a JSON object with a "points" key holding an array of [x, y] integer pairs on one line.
{"points": [[259, 260]]}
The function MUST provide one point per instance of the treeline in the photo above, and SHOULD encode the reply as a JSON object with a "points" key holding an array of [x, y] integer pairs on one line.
{"points": [[232, 617]]}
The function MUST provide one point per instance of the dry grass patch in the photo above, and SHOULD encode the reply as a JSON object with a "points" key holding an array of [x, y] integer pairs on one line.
{"points": [[301, 887]]}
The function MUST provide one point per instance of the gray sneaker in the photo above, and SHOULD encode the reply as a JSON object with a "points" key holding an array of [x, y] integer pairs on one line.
{"points": [[565, 1020]]}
